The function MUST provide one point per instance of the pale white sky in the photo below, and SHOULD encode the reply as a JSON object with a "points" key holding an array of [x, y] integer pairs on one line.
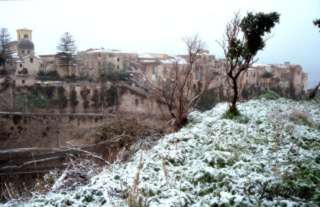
{"points": [[160, 25]]}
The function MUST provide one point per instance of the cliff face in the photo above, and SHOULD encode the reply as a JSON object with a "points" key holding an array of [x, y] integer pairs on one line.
{"points": [[286, 79]]}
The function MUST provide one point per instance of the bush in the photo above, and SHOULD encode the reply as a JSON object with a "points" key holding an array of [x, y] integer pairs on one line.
{"points": [[62, 100], [269, 95], [236, 116], [73, 99], [109, 73], [207, 100], [267, 75], [74, 78], [31, 100], [85, 92], [302, 118], [302, 183], [48, 76]]}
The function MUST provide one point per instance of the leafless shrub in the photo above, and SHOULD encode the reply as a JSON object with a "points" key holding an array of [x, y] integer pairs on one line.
{"points": [[180, 90], [78, 172], [164, 167], [135, 198], [126, 135], [302, 118]]}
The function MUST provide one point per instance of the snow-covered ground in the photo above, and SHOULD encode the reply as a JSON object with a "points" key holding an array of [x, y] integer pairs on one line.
{"points": [[269, 160]]}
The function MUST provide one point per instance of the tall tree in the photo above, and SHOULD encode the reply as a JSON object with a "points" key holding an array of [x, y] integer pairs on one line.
{"points": [[67, 49], [244, 38], [5, 51], [314, 91]]}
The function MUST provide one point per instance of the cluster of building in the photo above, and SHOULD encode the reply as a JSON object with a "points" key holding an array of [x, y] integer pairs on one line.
{"points": [[284, 78]]}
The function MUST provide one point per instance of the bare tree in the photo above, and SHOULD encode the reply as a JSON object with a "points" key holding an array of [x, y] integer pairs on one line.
{"points": [[5, 51], [180, 92], [66, 48], [242, 40]]}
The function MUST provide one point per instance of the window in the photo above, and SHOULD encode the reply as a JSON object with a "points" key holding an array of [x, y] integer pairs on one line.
{"points": [[20, 65], [28, 51], [136, 102], [118, 67], [118, 59], [154, 72], [25, 36], [22, 51], [23, 81], [31, 60]]}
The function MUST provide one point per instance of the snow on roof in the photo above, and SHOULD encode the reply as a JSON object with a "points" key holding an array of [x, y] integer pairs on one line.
{"points": [[149, 61], [152, 56], [15, 55], [176, 59], [102, 50]]}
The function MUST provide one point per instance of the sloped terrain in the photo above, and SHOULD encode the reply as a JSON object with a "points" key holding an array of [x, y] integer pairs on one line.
{"points": [[270, 157]]}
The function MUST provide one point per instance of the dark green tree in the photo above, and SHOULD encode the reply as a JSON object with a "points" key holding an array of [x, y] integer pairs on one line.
{"points": [[85, 92], [62, 99], [107, 72], [244, 38], [73, 99], [95, 99], [66, 50], [112, 96]]}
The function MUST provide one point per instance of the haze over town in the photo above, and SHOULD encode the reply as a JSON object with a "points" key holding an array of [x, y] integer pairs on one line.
{"points": [[159, 26]]}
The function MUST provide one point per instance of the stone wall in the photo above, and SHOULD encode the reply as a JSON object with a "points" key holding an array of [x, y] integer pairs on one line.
{"points": [[23, 130]]}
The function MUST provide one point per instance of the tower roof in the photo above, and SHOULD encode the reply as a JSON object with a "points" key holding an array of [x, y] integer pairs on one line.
{"points": [[25, 44]]}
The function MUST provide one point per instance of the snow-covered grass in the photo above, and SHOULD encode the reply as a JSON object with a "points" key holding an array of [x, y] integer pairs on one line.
{"points": [[267, 161]]}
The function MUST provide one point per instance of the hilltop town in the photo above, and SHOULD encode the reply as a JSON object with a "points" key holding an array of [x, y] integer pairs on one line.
{"points": [[83, 75]]}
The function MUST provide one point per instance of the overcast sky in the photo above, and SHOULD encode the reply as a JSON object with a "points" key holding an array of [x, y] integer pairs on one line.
{"points": [[160, 25]]}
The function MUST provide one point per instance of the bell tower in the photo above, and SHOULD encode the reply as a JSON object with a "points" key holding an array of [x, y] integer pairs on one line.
{"points": [[24, 34]]}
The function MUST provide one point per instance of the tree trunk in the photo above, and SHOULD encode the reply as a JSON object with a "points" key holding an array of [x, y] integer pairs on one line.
{"points": [[233, 108]]}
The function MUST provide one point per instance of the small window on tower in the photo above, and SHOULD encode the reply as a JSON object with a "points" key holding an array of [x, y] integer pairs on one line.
{"points": [[26, 36], [20, 65], [31, 60]]}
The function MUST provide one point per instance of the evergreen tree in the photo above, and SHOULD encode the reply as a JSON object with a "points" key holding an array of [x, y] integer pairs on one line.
{"points": [[244, 38], [67, 49], [5, 51]]}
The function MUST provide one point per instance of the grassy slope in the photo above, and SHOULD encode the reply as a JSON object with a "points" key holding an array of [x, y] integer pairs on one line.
{"points": [[218, 162]]}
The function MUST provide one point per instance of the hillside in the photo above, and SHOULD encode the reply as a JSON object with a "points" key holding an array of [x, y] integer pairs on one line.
{"points": [[271, 157]]}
